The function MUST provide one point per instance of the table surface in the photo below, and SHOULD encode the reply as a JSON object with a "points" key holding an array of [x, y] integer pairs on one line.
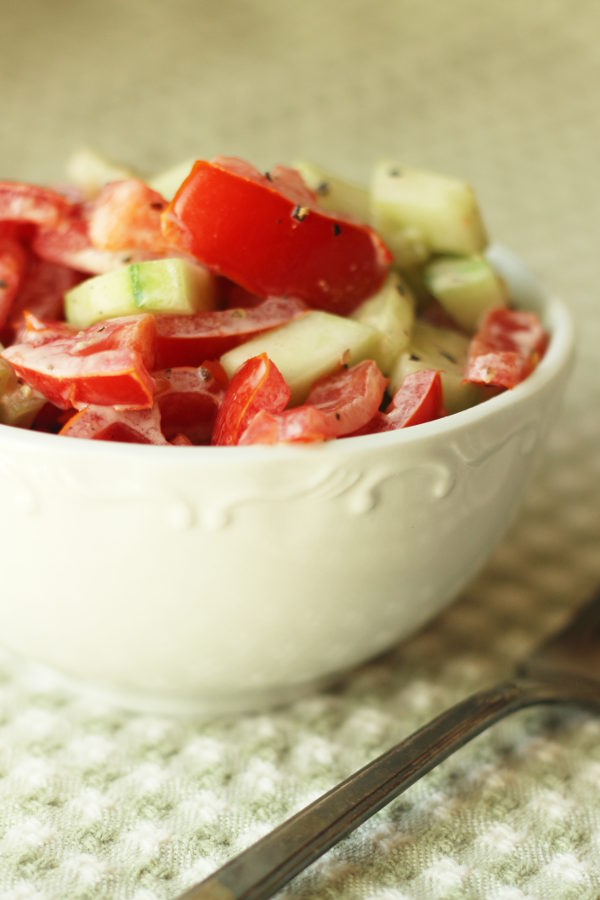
{"points": [[99, 803]]}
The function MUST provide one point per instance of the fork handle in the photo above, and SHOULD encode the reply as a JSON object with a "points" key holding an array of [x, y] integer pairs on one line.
{"points": [[271, 862]]}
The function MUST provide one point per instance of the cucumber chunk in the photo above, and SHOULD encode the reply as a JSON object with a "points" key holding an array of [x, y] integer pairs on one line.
{"points": [[172, 286], [466, 287], [391, 312], [446, 351], [168, 182], [310, 347], [443, 211], [89, 171], [334, 194]]}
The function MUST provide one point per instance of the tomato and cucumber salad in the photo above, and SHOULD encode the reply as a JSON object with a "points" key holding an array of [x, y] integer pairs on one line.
{"points": [[228, 306]]}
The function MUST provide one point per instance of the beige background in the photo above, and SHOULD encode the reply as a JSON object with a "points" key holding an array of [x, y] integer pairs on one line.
{"points": [[96, 803]]}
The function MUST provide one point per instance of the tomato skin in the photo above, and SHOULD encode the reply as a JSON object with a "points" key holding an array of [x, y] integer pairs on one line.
{"points": [[188, 340], [506, 348], [106, 364], [13, 261], [104, 423], [126, 216], [29, 203], [419, 399], [349, 399], [257, 385], [300, 425], [188, 399], [41, 291], [255, 232]]}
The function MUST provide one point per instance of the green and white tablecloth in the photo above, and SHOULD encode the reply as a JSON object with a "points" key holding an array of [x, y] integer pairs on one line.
{"points": [[99, 803]]}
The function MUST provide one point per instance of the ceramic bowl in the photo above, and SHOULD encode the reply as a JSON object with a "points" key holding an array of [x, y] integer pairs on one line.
{"points": [[219, 579]]}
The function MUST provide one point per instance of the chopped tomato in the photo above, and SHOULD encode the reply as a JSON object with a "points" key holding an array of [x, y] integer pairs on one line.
{"points": [[350, 398], [13, 260], [188, 399], [188, 340], [419, 399], [257, 385], [104, 423], [106, 364], [42, 290], [126, 216], [68, 243], [506, 348], [234, 296], [29, 203], [267, 233], [300, 425]]}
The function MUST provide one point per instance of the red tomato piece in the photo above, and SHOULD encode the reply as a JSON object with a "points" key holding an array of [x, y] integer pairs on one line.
{"points": [[106, 364], [506, 348], [13, 260], [68, 243], [300, 425], [419, 399], [126, 216], [234, 296], [350, 398], [188, 399], [104, 423], [267, 234], [42, 290], [188, 340], [258, 384], [29, 203]]}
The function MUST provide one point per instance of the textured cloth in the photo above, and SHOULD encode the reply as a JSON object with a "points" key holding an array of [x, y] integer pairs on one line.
{"points": [[99, 803]]}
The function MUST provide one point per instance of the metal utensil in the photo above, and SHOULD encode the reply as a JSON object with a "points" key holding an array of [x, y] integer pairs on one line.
{"points": [[566, 669]]}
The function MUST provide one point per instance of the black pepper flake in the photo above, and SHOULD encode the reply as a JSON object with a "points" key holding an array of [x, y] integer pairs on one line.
{"points": [[168, 371], [157, 204], [395, 173], [414, 357], [338, 416], [127, 259], [268, 176], [401, 289], [3, 284], [448, 356], [102, 328], [336, 229], [322, 189], [299, 213]]}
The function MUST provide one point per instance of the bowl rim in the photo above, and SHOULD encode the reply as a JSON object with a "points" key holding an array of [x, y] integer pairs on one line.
{"points": [[557, 358]]}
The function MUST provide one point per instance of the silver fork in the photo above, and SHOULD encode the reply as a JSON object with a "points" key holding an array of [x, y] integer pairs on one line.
{"points": [[566, 669]]}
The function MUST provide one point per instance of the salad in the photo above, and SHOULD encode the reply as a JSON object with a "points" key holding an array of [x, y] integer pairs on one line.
{"points": [[217, 304]]}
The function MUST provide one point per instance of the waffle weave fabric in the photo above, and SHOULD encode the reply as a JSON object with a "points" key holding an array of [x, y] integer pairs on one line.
{"points": [[100, 803]]}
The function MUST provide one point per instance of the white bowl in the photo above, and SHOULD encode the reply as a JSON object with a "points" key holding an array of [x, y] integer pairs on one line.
{"points": [[217, 579]]}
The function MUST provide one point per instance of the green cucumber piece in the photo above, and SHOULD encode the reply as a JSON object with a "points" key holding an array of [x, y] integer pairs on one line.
{"points": [[90, 171], [308, 348], [168, 182], [445, 350], [335, 194], [172, 286], [466, 287], [443, 211], [391, 312]]}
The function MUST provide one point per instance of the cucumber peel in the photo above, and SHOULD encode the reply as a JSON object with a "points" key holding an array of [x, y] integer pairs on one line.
{"points": [[169, 286]]}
